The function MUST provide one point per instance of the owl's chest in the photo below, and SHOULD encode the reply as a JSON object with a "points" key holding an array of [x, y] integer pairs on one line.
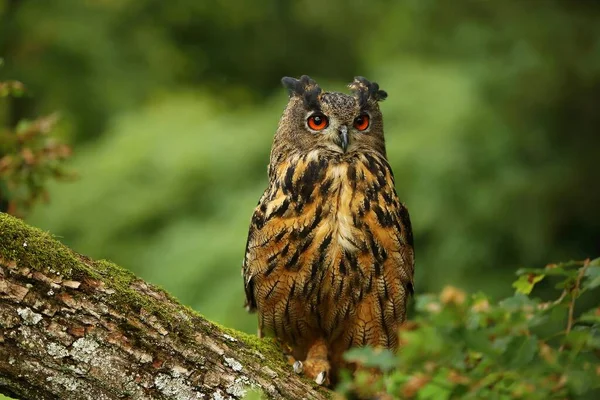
{"points": [[318, 210], [340, 208]]}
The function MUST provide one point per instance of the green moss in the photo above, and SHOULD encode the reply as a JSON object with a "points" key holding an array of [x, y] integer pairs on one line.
{"points": [[36, 249], [268, 347]]}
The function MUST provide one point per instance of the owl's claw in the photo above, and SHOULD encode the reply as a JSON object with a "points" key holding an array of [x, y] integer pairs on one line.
{"points": [[320, 379], [298, 367]]}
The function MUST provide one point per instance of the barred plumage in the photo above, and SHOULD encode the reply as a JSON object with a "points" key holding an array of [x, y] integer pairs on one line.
{"points": [[329, 260]]}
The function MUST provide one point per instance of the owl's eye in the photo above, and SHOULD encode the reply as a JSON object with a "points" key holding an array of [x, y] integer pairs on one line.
{"points": [[317, 122], [361, 122]]}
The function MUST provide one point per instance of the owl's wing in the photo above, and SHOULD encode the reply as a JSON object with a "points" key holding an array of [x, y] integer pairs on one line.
{"points": [[390, 230], [403, 230], [264, 239], [248, 269]]}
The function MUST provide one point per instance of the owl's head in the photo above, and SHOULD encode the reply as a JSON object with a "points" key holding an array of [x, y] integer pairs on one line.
{"points": [[333, 123]]}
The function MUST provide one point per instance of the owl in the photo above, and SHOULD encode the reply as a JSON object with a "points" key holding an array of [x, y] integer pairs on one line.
{"points": [[329, 260]]}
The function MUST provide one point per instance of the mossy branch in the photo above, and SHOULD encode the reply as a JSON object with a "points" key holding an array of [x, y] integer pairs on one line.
{"points": [[75, 328]]}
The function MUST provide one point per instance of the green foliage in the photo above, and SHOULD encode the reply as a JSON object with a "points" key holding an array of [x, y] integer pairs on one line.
{"points": [[523, 347]]}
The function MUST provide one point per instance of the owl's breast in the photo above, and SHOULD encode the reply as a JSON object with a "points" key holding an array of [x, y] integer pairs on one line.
{"points": [[340, 216], [325, 209]]}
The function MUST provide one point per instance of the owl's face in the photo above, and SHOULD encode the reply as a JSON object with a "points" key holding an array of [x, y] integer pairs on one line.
{"points": [[331, 123]]}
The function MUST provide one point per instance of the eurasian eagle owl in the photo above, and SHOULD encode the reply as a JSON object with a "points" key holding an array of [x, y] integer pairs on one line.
{"points": [[329, 261]]}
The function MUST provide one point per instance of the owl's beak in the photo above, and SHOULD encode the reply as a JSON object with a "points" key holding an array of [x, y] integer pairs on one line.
{"points": [[343, 131]]}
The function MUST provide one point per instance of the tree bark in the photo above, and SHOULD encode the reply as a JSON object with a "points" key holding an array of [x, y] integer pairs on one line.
{"points": [[74, 328]]}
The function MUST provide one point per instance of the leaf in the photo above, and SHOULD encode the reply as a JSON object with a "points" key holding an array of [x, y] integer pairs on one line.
{"points": [[537, 319], [520, 351], [379, 358], [424, 302], [579, 381], [359, 354], [525, 271], [592, 275], [478, 341], [517, 302], [577, 340], [434, 391], [525, 283], [546, 271], [592, 316]]}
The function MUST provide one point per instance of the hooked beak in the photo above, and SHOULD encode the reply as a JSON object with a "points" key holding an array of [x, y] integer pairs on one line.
{"points": [[343, 131]]}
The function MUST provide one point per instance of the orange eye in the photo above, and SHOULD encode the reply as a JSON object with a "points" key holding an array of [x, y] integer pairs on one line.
{"points": [[317, 122], [361, 122]]}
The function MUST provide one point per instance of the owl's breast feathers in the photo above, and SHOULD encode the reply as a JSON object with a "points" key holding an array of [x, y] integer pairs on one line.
{"points": [[330, 249]]}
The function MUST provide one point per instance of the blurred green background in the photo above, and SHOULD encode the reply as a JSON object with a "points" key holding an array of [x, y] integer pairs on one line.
{"points": [[492, 127]]}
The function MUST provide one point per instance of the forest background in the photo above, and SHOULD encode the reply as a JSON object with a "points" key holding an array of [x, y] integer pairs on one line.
{"points": [[492, 127]]}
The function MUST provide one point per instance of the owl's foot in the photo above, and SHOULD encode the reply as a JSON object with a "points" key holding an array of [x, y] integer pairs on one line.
{"points": [[316, 369], [322, 378], [298, 367], [316, 366]]}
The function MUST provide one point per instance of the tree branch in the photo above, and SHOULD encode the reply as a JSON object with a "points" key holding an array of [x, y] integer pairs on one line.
{"points": [[75, 328]]}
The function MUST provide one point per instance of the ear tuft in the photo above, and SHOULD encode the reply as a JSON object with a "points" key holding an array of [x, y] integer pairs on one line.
{"points": [[305, 87], [366, 91]]}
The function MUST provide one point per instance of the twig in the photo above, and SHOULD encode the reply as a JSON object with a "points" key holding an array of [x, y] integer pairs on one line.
{"points": [[574, 294], [561, 298]]}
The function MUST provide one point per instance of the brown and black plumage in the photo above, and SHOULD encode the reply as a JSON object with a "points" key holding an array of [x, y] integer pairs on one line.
{"points": [[329, 261]]}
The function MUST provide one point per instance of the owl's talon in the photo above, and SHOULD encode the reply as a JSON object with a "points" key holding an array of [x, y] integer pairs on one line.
{"points": [[298, 367], [320, 379]]}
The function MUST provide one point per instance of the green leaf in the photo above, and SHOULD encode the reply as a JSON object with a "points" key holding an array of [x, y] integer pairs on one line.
{"points": [[592, 316], [520, 351], [525, 283], [579, 381], [379, 358], [537, 319], [592, 275], [423, 302], [427, 341], [577, 339], [525, 271], [517, 302], [522, 285], [359, 354], [546, 271], [434, 391], [478, 341]]}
